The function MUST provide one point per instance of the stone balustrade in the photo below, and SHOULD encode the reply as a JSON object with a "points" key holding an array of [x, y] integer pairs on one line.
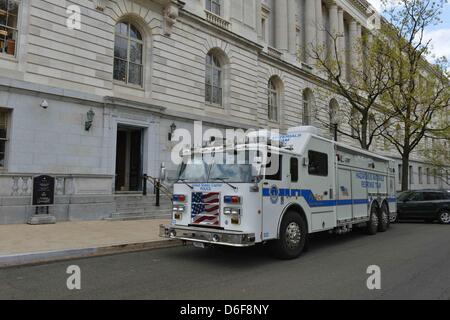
{"points": [[217, 20], [21, 185]]}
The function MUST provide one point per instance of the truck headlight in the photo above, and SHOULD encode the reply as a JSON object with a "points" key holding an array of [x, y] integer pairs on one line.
{"points": [[231, 211], [178, 211], [235, 219]]}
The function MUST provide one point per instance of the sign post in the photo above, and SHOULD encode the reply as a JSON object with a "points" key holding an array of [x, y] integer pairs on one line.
{"points": [[43, 198]]}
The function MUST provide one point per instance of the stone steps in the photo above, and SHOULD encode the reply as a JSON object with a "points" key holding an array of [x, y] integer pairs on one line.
{"points": [[137, 206], [140, 216]]}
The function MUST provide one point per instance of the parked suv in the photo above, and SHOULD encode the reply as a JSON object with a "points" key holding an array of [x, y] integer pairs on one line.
{"points": [[428, 205]]}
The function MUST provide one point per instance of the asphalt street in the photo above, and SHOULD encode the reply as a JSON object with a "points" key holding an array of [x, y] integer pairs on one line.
{"points": [[414, 259]]}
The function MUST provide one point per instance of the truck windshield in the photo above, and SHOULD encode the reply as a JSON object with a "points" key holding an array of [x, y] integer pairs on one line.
{"points": [[201, 170]]}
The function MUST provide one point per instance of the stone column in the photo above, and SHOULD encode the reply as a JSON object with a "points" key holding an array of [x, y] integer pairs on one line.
{"points": [[281, 25], [292, 26], [353, 43], [334, 28], [341, 40], [359, 52], [310, 31], [259, 30], [319, 26]]}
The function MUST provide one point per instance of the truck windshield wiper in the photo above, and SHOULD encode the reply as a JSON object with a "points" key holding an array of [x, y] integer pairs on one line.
{"points": [[184, 181], [225, 181]]}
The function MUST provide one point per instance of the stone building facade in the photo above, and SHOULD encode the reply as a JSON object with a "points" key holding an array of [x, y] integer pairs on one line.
{"points": [[90, 90]]}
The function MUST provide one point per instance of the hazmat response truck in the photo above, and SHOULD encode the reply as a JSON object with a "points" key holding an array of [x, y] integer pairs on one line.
{"points": [[279, 189]]}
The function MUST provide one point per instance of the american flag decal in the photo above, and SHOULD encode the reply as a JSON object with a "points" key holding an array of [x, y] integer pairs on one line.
{"points": [[205, 208]]}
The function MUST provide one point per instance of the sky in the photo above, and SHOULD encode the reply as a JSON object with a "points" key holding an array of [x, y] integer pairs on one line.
{"points": [[439, 34]]}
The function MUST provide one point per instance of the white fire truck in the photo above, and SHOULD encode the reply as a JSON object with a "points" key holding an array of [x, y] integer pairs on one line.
{"points": [[311, 185]]}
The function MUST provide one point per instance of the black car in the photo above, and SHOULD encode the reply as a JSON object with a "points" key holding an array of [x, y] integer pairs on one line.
{"points": [[428, 205]]}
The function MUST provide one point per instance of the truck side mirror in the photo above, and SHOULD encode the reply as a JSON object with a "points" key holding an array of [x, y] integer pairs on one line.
{"points": [[257, 165]]}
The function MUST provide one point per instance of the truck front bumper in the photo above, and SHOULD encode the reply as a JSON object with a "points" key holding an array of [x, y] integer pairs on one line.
{"points": [[211, 236]]}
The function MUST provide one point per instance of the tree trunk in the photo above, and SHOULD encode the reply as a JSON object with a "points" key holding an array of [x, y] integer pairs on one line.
{"points": [[405, 171], [364, 131]]}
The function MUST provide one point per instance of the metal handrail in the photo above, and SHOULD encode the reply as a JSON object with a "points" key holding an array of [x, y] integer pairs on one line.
{"points": [[158, 187]]}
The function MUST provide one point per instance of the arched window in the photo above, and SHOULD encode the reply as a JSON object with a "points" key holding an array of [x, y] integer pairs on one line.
{"points": [[213, 81], [307, 107], [128, 62], [273, 100]]}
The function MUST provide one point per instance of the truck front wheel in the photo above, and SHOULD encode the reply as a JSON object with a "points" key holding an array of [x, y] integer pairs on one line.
{"points": [[293, 233]]}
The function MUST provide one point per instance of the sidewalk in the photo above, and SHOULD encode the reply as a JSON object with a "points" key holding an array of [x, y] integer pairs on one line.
{"points": [[25, 244]]}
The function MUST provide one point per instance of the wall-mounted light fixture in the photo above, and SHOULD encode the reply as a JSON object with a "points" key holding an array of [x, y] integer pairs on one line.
{"points": [[90, 119], [173, 127]]}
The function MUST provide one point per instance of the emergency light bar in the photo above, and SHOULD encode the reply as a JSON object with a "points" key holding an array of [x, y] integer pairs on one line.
{"points": [[232, 199], [179, 198]]}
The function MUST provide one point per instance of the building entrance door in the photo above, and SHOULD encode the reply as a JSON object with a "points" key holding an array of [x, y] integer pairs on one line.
{"points": [[128, 159]]}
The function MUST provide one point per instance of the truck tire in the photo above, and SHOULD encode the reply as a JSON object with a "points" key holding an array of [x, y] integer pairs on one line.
{"points": [[444, 217], [372, 224], [384, 220], [293, 234]]}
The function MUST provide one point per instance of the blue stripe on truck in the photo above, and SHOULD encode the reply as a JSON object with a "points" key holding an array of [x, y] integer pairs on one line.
{"points": [[313, 202]]}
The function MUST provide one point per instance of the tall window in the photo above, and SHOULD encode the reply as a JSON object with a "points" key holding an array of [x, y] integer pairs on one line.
{"points": [[264, 29], [3, 137], [273, 100], [128, 65], [307, 107], [213, 6], [428, 176], [411, 175], [420, 175], [333, 117], [9, 10], [213, 83]]}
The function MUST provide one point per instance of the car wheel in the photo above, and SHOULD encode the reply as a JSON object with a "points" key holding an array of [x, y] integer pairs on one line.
{"points": [[444, 217], [372, 224], [393, 217], [293, 234], [384, 221]]}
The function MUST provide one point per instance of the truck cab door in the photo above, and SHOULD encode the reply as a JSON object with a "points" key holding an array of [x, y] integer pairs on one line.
{"points": [[275, 195]]}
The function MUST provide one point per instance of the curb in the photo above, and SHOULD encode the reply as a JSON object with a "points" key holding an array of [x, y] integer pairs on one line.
{"points": [[33, 258]]}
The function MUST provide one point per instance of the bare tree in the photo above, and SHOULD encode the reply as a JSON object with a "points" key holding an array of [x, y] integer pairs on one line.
{"points": [[418, 90], [361, 82]]}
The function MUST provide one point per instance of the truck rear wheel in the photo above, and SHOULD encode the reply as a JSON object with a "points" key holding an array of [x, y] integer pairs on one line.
{"points": [[384, 220], [293, 233], [372, 224]]}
